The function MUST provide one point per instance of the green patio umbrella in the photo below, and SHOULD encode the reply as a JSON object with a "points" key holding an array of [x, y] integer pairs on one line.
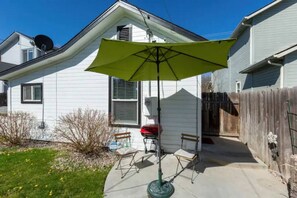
{"points": [[135, 61]]}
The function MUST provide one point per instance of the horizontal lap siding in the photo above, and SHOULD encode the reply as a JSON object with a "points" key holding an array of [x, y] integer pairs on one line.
{"points": [[290, 70], [268, 76], [274, 30], [67, 87]]}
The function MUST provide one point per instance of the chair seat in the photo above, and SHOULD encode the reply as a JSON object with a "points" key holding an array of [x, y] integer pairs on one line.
{"points": [[185, 154], [126, 151]]}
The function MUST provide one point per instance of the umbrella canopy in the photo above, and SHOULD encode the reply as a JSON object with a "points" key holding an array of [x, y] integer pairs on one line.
{"points": [[133, 61]]}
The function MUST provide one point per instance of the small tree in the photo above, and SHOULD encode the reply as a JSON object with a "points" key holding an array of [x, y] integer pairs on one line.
{"points": [[15, 127], [87, 130]]}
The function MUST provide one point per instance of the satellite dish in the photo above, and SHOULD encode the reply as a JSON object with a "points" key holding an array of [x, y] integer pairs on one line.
{"points": [[43, 42]]}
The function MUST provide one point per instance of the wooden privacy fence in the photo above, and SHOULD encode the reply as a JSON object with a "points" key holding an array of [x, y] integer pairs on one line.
{"points": [[262, 112], [3, 99], [220, 114]]}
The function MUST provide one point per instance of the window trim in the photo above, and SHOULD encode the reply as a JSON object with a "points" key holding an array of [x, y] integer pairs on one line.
{"points": [[27, 54], [138, 124], [31, 101]]}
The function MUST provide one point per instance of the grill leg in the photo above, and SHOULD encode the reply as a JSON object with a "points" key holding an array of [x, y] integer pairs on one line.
{"points": [[144, 142]]}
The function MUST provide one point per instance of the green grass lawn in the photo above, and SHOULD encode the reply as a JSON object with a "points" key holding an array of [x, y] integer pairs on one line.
{"points": [[29, 174]]}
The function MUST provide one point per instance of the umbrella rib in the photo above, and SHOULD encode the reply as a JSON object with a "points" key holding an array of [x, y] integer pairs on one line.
{"points": [[181, 53], [163, 55], [145, 50], [145, 60]]}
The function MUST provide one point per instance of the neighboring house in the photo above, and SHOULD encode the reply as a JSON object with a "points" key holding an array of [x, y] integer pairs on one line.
{"points": [[265, 54], [14, 50], [56, 83]]}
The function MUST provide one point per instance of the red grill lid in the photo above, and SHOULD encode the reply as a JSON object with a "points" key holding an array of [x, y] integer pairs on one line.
{"points": [[150, 129]]}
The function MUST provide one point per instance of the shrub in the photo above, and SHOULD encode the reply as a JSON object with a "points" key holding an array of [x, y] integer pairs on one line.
{"points": [[15, 128], [86, 130]]}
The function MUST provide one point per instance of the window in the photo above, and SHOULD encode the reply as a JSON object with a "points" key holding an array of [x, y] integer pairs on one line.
{"points": [[124, 102], [28, 54], [31, 93], [238, 87], [124, 33]]}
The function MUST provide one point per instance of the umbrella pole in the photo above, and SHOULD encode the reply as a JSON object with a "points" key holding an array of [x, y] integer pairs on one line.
{"points": [[159, 188], [159, 120]]}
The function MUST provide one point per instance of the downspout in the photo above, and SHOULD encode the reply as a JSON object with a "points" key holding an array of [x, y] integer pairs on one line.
{"points": [[10, 97], [281, 72]]}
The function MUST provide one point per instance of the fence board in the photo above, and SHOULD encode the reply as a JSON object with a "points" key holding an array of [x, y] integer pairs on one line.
{"points": [[265, 111]]}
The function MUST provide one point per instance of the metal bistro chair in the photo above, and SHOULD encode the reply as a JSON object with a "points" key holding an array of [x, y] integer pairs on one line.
{"points": [[125, 151], [191, 156]]}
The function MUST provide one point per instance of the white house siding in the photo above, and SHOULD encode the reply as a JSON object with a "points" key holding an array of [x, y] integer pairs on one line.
{"points": [[66, 86], [224, 80], [290, 70], [274, 30], [266, 77], [11, 53]]}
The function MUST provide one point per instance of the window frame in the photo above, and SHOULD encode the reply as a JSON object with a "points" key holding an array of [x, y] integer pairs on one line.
{"points": [[110, 105], [31, 101], [27, 54]]}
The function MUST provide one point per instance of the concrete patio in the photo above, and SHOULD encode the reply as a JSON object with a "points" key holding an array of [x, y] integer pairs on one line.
{"points": [[227, 169]]}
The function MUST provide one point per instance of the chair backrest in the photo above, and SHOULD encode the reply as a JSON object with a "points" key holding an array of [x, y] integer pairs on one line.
{"points": [[120, 137], [192, 138]]}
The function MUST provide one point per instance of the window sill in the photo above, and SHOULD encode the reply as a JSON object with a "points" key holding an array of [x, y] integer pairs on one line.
{"points": [[31, 102], [126, 125]]}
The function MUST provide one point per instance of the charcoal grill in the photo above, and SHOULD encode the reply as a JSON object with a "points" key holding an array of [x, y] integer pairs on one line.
{"points": [[150, 132]]}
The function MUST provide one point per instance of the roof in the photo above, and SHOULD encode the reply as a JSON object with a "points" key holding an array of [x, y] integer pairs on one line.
{"points": [[276, 58], [245, 21], [57, 55], [4, 66], [11, 37]]}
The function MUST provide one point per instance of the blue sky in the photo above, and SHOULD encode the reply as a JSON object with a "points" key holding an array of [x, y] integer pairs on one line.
{"points": [[63, 19]]}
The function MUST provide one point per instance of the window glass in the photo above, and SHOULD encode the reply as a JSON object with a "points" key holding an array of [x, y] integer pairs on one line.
{"points": [[37, 92], [30, 54], [27, 92], [124, 90], [25, 59], [125, 112], [238, 87]]}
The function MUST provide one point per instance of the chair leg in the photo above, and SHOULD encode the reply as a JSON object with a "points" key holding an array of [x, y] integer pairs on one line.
{"points": [[194, 165], [131, 163], [179, 164], [119, 165]]}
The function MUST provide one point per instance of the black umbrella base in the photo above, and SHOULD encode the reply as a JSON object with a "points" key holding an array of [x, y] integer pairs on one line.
{"points": [[155, 190]]}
